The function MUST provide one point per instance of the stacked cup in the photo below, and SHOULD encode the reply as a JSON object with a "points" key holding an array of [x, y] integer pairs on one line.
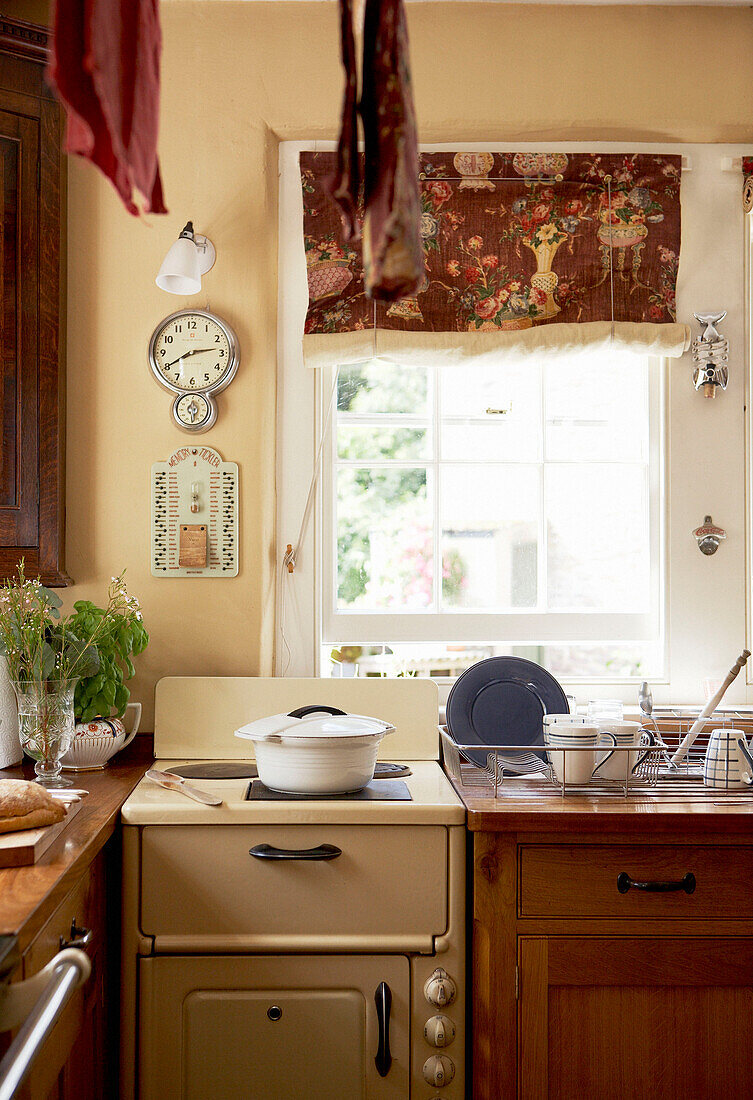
{"points": [[571, 732], [628, 737]]}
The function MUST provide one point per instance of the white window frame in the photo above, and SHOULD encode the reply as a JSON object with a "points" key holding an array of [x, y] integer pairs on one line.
{"points": [[707, 609]]}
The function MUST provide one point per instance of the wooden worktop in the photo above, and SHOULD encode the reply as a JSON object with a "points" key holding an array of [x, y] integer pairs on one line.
{"points": [[28, 895], [717, 814]]}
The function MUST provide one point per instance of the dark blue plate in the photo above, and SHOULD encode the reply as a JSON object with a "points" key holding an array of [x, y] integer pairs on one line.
{"points": [[502, 701]]}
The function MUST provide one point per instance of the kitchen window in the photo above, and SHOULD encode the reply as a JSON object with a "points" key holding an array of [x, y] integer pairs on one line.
{"points": [[557, 528], [514, 500]]}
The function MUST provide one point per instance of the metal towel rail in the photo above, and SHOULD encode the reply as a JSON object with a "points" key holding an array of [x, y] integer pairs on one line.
{"points": [[39, 1001]]}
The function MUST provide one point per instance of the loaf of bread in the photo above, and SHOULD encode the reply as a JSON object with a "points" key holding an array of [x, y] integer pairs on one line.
{"points": [[25, 805]]}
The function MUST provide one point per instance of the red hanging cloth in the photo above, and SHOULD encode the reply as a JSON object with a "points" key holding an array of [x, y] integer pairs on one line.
{"points": [[392, 247], [104, 68]]}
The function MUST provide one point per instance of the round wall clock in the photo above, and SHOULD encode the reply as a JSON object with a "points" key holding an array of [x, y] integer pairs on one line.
{"points": [[194, 354]]}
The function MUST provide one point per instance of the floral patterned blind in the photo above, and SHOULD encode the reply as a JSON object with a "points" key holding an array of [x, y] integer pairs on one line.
{"points": [[512, 242]]}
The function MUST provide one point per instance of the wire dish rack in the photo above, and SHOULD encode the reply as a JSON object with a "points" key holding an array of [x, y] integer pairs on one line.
{"points": [[648, 771]]}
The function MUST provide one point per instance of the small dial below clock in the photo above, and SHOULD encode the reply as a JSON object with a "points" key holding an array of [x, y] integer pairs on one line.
{"points": [[194, 412]]}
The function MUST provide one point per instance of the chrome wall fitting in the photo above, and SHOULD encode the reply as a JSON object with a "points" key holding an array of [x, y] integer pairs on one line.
{"points": [[708, 536], [710, 355]]}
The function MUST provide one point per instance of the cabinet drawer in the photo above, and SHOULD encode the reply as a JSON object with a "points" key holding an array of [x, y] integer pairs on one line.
{"points": [[202, 882], [574, 880], [82, 904]]}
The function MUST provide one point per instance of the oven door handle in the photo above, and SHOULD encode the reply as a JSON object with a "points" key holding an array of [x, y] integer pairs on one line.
{"points": [[383, 1001], [322, 851]]}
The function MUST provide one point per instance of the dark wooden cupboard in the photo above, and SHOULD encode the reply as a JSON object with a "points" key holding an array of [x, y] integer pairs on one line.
{"points": [[587, 985], [32, 318]]}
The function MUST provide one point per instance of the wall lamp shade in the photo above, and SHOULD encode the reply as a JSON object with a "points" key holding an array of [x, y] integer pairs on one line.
{"points": [[187, 260]]}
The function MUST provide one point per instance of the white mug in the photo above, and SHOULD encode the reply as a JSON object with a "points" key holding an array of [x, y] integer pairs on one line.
{"points": [[627, 735], [576, 767], [728, 763]]}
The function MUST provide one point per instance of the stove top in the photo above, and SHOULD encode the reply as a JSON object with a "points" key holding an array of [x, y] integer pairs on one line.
{"points": [[195, 718], [432, 801]]}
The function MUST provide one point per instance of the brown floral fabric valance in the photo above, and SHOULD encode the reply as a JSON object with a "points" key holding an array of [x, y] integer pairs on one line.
{"points": [[512, 242]]}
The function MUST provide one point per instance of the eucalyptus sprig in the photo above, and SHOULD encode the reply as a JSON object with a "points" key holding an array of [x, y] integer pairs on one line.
{"points": [[39, 645]]}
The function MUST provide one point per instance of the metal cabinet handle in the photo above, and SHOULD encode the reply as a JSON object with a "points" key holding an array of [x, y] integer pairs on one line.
{"points": [[323, 851], [383, 1001], [38, 1002], [80, 937], [686, 883]]}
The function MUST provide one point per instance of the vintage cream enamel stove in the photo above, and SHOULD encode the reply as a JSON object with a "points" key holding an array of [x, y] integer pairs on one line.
{"points": [[334, 970]]}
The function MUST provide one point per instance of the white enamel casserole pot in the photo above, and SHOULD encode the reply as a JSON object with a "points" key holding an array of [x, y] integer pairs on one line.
{"points": [[316, 750]]}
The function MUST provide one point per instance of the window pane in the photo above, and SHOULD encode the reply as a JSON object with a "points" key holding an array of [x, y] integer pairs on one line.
{"points": [[620, 661], [384, 539], [597, 538], [489, 536], [491, 412], [383, 387], [356, 442], [596, 409], [447, 661]]}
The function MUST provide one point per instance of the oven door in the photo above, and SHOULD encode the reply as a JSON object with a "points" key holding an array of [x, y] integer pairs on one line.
{"points": [[327, 1027]]}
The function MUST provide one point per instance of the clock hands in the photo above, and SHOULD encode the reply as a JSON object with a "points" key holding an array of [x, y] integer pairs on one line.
{"points": [[193, 351]]}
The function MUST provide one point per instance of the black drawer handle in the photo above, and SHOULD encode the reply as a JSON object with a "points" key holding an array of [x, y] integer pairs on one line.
{"points": [[686, 883], [383, 1001], [267, 851]]}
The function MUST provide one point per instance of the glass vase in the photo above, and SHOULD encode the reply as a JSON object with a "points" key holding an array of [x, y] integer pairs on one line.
{"points": [[46, 726]]}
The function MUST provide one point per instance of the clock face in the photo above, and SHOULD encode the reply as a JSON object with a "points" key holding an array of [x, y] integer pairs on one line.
{"points": [[193, 351], [194, 411]]}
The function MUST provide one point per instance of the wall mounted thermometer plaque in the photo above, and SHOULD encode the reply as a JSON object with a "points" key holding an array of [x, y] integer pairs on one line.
{"points": [[195, 515], [194, 354]]}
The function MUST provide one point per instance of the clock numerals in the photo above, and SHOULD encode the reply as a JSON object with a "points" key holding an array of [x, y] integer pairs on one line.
{"points": [[193, 354]]}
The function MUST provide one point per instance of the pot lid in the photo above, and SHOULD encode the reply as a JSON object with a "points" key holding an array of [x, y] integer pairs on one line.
{"points": [[319, 722]]}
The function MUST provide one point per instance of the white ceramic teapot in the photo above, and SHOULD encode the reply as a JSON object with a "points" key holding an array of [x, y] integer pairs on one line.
{"points": [[728, 763], [95, 742]]}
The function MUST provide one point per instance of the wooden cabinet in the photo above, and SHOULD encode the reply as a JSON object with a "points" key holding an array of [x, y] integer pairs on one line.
{"points": [[79, 1059], [634, 1017], [590, 985], [32, 310]]}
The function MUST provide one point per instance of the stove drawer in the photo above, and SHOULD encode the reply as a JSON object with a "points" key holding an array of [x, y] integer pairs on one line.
{"points": [[387, 885]]}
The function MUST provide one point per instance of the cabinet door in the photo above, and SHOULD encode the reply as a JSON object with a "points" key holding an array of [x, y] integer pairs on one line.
{"points": [[259, 1027], [635, 1018], [19, 469]]}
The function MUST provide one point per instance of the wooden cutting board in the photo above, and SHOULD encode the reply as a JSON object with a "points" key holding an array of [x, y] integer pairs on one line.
{"points": [[27, 846]]}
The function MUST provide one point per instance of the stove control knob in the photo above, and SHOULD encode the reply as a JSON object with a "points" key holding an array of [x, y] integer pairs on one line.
{"points": [[440, 989], [439, 1070], [439, 1031]]}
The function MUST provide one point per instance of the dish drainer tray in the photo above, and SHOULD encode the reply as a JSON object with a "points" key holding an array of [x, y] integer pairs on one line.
{"points": [[512, 773]]}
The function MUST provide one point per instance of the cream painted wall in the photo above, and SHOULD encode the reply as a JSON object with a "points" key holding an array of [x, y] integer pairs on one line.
{"points": [[236, 78]]}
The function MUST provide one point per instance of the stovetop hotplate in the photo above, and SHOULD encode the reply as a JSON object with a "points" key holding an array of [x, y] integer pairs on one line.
{"points": [[242, 769], [386, 790]]}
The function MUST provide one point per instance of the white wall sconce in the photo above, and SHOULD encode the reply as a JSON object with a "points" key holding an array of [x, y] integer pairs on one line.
{"points": [[710, 355], [188, 259]]}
